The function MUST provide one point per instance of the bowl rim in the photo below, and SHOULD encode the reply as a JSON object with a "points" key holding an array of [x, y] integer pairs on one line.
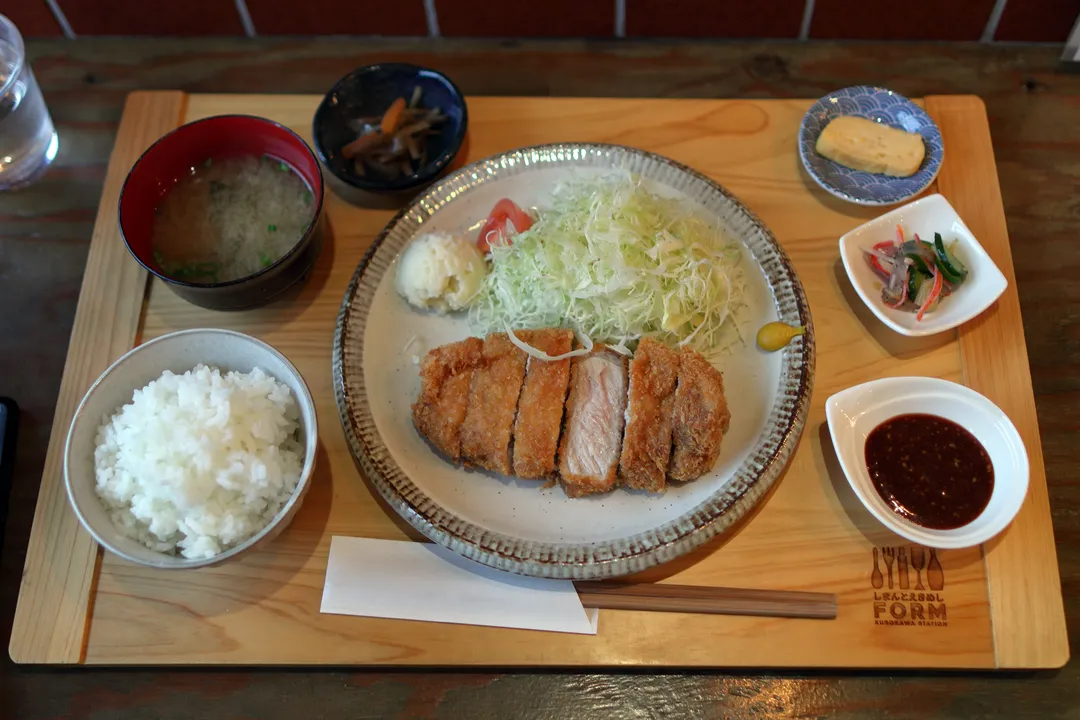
{"points": [[824, 183], [432, 170], [310, 449], [930, 537], [942, 204], [294, 250]]}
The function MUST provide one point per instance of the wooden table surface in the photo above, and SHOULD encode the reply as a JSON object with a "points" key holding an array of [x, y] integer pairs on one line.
{"points": [[44, 230]]}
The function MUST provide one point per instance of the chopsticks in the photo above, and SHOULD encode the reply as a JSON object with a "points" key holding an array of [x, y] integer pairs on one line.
{"points": [[658, 597]]}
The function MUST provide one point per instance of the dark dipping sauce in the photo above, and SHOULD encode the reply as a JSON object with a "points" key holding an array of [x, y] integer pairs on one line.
{"points": [[929, 470]]}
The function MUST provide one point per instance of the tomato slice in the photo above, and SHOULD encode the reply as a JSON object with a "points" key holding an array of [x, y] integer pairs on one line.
{"points": [[494, 232], [491, 234], [521, 219]]}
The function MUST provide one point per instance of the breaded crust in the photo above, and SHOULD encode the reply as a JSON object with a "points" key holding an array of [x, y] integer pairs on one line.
{"points": [[540, 407], [493, 399], [646, 447], [592, 432], [445, 378], [700, 418]]}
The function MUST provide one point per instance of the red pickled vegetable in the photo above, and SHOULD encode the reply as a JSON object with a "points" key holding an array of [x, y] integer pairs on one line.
{"points": [[876, 266], [934, 293]]}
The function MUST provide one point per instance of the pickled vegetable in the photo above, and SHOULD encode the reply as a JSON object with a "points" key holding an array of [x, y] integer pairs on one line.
{"points": [[776, 335], [916, 274]]}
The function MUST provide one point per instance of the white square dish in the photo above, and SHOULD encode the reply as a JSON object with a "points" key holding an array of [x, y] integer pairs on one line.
{"points": [[984, 284]]}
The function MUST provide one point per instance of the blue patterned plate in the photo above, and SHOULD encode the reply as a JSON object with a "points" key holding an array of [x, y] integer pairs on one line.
{"points": [[879, 105]]}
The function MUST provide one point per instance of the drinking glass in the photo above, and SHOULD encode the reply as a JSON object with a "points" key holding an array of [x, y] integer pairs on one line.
{"points": [[28, 141]]}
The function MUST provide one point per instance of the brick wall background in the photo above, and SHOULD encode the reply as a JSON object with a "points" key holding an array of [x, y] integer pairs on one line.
{"points": [[959, 20]]}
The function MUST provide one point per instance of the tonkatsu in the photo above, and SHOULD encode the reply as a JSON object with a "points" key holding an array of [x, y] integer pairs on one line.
{"points": [[540, 407], [589, 451], [700, 418], [493, 401], [445, 379], [646, 446], [592, 422]]}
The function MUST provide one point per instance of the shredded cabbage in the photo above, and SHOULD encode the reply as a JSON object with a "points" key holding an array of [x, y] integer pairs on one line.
{"points": [[617, 263]]}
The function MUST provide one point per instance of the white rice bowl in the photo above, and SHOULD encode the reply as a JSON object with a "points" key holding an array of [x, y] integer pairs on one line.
{"points": [[198, 463]]}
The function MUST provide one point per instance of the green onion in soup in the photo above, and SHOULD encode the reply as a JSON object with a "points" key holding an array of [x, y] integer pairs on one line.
{"points": [[230, 218]]}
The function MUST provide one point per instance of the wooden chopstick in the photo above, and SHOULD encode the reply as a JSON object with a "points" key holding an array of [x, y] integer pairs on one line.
{"points": [[658, 597]]}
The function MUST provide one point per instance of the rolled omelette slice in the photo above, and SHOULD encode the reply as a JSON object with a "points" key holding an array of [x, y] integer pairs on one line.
{"points": [[872, 147]]}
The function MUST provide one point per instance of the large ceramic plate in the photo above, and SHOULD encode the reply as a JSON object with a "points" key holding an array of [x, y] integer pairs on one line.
{"points": [[517, 525]]}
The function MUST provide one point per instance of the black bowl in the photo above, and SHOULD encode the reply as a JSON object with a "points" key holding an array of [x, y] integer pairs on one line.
{"points": [[369, 91]]}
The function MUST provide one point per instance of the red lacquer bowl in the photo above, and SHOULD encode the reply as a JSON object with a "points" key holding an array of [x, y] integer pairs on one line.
{"points": [[173, 156]]}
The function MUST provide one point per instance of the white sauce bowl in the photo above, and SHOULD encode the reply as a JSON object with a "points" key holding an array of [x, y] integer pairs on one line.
{"points": [[853, 413]]}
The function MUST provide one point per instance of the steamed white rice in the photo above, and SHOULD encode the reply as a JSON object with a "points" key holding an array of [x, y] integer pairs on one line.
{"points": [[199, 462]]}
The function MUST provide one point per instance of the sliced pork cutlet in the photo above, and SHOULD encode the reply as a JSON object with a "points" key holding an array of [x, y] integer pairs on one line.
{"points": [[540, 407], [493, 401], [700, 418], [646, 446], [445, 378], [592, 432]]}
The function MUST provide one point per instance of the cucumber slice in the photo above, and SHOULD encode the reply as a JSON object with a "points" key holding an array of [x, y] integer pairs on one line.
{"points": [[919, 264], [951, 279], [955, 271], [915, 281]]}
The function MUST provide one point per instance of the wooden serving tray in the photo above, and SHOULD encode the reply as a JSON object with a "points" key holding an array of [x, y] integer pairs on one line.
{"points": [[998, 606]]}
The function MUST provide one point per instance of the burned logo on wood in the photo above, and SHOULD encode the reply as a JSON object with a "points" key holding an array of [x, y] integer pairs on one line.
{"points": [[908, 582]]}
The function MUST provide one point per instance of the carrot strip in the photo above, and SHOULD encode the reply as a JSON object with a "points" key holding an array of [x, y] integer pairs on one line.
{"points": [[392, 118], [935, 291], [360, 144]]}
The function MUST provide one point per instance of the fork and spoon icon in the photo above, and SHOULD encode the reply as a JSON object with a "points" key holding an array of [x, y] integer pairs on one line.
{"points": [[899, 558]]}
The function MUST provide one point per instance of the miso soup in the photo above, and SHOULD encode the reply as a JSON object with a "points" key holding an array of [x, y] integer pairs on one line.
{"points": [[230, 218]]}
